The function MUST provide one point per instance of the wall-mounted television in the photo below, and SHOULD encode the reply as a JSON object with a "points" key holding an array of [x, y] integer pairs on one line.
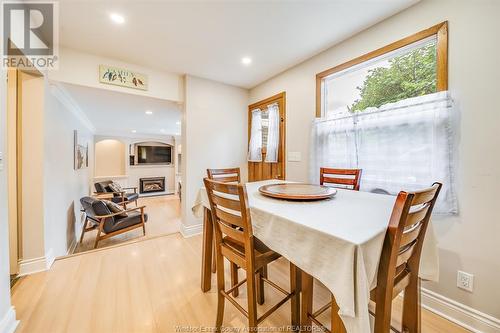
{"points": [[154, 154]]}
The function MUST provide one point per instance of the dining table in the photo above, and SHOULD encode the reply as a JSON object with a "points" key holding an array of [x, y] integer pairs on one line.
{"points": [[337, 241]]}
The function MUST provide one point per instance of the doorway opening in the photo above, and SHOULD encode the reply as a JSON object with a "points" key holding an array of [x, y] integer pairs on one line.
{"points": [[25, 100]]}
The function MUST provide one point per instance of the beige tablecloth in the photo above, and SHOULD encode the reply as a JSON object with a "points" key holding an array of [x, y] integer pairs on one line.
{"points": [[337, 241]]}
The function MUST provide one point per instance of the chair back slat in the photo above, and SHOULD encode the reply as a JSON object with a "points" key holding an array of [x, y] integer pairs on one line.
{"points": [[227, 203], [424, 196], [410, 235], [404, 255], [228, 189], [233, 233], [228, 218], [417, 215], [230, 175], [349, 178], [340, 181]]}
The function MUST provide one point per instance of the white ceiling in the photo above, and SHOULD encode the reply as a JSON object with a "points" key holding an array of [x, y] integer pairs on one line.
{"points": [[209, 38], [115, 113]]}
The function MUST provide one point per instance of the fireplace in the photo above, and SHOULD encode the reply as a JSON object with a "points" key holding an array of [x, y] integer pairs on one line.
{"points": [[152, 184]]}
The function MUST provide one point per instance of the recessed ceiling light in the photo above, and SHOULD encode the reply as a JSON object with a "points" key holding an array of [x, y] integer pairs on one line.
{"points": [[134, 131], [148, 112], [178, 123], [117, 18], [246, 61], [162, 130]]}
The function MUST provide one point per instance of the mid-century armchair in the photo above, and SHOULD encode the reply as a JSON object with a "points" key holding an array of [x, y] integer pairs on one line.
{"points": [[108, 223], [120, 196]]}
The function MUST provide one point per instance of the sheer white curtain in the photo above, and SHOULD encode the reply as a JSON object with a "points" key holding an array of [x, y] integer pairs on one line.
{"points": [[273, 134], [255, 146], [406, 145]]}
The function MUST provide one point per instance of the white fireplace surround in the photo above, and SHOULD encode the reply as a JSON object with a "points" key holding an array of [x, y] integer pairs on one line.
{"points": [[133, 173]]}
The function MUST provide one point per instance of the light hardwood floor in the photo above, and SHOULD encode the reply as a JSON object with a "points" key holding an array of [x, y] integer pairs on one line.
{"points": [[146, 286], [163, 219]]}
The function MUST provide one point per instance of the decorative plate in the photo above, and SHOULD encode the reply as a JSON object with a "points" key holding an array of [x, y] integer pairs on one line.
{"points": [[297, 191]]}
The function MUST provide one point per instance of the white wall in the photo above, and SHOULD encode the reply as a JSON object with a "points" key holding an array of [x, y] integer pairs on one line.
{"points": [[469, 241], [110, 158], [214, 132], [132, 173], [64, 186], [83, 69], [7, 313]]}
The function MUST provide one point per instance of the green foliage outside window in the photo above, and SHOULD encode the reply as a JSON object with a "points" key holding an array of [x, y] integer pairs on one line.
{"points": [[408, 75]]}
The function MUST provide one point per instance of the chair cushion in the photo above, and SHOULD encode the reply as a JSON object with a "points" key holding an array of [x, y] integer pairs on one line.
{"points": [[115, 187], [115, 208], [133, 218], [94, 207], [102, 187]]}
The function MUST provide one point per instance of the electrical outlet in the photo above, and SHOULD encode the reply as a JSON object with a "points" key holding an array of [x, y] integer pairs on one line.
{"points": [[465, 281]]}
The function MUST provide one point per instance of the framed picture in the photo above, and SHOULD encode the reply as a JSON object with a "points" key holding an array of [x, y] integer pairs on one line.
{"points": [[122, 77], [81, 152]]}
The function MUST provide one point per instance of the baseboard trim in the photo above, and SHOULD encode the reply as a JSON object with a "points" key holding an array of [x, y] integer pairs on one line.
{"points": [[458, 313], [191, 230], [50, 258], [30, 266], [8, 323], [157, 194], [72, 247]]}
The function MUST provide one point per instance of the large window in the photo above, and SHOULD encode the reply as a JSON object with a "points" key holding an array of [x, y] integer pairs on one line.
{"points": [[411, 67], [389, 114]]}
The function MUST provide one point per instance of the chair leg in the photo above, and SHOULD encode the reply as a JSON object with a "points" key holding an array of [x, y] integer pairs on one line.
{"points": [[252, 301], [83, 230], [337, 324], [97, 238], [143, 220], [307, 299], [220, 288], [259, 283], [411, 307], [234, 278], [295, 301], [383, 313], [213, 257]]}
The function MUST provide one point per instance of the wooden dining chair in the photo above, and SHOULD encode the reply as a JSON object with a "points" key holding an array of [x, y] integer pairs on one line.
{"points": [[234, 240], [398, 268], [344, 178], [228, 175]]}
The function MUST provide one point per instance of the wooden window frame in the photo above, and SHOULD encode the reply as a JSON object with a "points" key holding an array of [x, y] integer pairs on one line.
{"points": [[439, 30]]}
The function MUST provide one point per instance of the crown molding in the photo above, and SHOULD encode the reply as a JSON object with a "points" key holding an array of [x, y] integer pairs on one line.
{"points": [[62, 95]]}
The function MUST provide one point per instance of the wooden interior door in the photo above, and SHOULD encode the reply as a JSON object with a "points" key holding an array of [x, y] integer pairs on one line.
{"points": [[262, 170]]}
